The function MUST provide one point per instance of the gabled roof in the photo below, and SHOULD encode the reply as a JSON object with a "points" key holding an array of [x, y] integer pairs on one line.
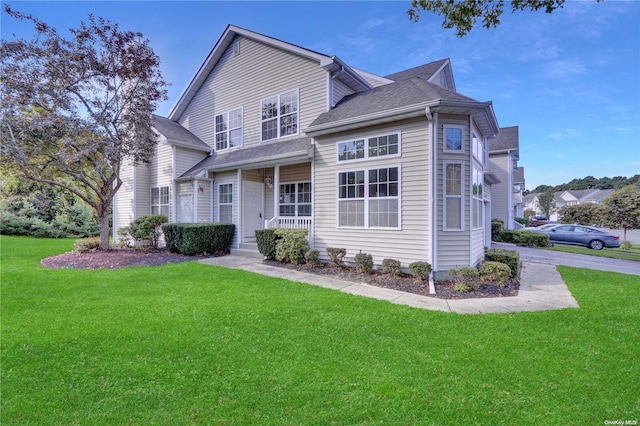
{"points": [[394, 101], [427, 72], [507, 139], [330, 63], [175, 134], [291, 151], [518, 175]]}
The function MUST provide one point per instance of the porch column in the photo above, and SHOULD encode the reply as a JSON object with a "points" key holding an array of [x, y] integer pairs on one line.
{"points": [[276, 190]]}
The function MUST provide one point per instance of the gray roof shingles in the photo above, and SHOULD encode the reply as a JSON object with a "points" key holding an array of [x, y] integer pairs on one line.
{"points": [[235, 157], [412, 91], [425, 71], [176, 134], [507, 138]]}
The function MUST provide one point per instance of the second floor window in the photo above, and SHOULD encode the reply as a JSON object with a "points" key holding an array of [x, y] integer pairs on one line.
{"points": [[229, 129], [280, 115], [379, 146]]}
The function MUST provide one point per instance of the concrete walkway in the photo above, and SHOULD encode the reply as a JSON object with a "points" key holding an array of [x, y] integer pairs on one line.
{"points": [[541, 289]]}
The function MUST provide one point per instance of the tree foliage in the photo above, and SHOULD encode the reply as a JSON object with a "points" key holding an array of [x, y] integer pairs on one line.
{"points": [[589, 182], [463, 15], [622, 208], [546, 203], [74, 109], [582, 214]]}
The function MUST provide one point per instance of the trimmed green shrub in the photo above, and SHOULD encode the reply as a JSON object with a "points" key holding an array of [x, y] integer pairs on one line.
{"points": [[266, 239], [495, 272], [497, 226], [510, 236], [291, 245], [392, 266], [522, 220], [625, 245], [336, 256], [510, 258], [173, 236], [364, 263], [465, 279], [420, 270], [148, 229], [313, 258], [532, 239], [198, 239]]}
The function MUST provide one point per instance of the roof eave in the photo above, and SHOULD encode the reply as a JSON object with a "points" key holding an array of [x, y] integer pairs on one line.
{"points": [[366, 120]]}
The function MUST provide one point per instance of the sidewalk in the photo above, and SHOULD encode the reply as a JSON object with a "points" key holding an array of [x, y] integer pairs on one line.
{"points": [[541, 289]]}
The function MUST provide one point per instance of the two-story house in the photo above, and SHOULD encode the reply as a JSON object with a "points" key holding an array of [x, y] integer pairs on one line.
{"points": [[507, 200], [270, 134]]}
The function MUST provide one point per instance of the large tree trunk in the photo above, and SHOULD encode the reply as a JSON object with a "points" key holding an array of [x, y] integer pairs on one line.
{"points": [[103, 220]]}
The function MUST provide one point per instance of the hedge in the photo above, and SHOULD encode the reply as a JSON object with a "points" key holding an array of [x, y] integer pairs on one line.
{"points": [[510, 258], [193, 239], [267, 240]]}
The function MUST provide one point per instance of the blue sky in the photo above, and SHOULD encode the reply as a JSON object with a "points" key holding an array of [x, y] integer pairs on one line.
{"points": [[570, 80]]}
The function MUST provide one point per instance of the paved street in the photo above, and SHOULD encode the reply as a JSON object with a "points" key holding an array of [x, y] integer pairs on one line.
{"points": [[569, 259]]}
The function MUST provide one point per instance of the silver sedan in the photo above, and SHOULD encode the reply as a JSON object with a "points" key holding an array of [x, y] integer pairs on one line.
{"points": [[580, 235]]}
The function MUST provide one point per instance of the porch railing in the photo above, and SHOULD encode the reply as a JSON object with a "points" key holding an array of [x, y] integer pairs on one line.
{"points": [[290, 222]]}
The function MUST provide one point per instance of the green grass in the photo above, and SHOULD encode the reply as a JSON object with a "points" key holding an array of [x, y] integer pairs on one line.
{"points": [[617, 253], [195, 344]]}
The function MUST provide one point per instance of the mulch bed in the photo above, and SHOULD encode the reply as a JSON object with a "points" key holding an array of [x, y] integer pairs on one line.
{"points": [[115, 259], [406, 283], [120, 258]]}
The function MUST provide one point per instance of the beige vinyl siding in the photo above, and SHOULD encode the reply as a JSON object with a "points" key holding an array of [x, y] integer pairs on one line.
{"points": [[477, 247], [499, 164], [186, 159], [340, 90], [453, 247], [124, 204], [295, 173], [203, 201], [408, 244], [143, 191], [258, 72]]}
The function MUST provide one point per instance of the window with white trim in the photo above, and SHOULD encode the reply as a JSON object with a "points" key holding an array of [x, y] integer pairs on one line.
{"points": [[477, 146], [377, 146], [280, 115], [453, 197], [228, 129], [369, 198], [295, 199], [160, 200], [476, 194], [453, 138], [225, 203]]}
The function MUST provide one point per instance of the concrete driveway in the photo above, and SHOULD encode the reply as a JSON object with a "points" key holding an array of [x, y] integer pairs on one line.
{"points": [[570, 259]]}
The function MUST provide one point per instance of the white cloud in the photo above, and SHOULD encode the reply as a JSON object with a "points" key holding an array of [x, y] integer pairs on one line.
{"points": [[564, 68], [564, 134]]}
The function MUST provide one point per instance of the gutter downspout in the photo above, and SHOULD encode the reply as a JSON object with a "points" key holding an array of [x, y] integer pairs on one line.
{"points": [[433, 133]]}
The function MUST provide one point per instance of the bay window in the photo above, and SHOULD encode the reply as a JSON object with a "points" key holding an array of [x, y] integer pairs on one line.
{"points": [[453, 197]]}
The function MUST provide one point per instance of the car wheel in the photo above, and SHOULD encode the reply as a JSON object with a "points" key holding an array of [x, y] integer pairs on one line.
{"points": [[596, 245]]}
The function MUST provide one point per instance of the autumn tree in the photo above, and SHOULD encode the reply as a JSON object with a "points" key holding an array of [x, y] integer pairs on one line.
{"points": [[622, 208], [464, 14], [74, 108]]}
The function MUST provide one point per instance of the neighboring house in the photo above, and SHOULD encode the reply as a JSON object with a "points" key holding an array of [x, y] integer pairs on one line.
{"points": [[269, 134], [506, 200], [567, 198]]}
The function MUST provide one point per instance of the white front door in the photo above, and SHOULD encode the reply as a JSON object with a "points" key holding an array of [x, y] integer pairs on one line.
{"points": [[185, 208], [252, 209]]}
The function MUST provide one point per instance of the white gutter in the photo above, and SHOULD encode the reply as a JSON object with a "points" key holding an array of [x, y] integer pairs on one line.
{"points": [[433, 216]]}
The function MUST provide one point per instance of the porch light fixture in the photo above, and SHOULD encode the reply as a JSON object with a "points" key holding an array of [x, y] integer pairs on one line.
{"points": [[268, 182]]}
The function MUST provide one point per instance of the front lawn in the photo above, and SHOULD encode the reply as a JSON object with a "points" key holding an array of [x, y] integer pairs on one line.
{"points": [[195, 344], [617, 253]]}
